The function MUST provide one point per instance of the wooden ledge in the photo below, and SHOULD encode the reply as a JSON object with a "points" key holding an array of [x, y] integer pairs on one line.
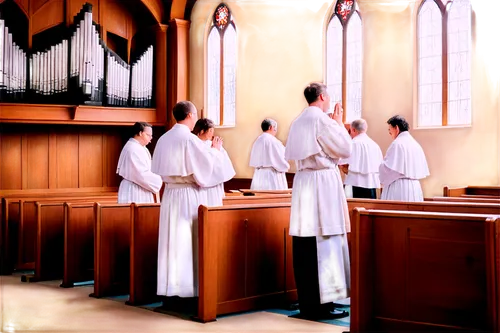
{"points": [[75, 114]]}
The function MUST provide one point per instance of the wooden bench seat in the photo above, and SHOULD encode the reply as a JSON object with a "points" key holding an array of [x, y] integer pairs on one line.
{"points": [[50, 238], [112, 249], [489, 191], [144, 244], [19, 225], [422, 271], [465, 199]]}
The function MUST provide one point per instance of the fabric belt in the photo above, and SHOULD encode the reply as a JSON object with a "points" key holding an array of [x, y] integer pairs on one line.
{"points": [[181, 185]]}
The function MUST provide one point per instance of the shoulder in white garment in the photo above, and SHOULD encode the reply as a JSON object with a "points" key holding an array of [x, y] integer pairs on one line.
{"points": [[366, 155], [268, 152], [313, 132], [179, 153], [134, 165], [406, 157]]}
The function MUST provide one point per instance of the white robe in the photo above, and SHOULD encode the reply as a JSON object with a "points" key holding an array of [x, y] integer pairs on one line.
{"points": [[404, 164], [216, 193], [364, 163], [319, 207], [185, 164], [139, 183], [268, 159]]}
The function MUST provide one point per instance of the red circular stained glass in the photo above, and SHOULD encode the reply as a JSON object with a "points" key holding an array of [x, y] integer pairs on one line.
{"points": [[221, 16], [344, 8]]}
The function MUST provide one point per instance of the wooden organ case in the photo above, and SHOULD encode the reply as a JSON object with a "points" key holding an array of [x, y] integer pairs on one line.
{"points": [[75, 62], [74, 76]]}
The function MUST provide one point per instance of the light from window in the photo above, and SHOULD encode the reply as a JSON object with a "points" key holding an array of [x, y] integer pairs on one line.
{"points": [[221, 69], [430, 69], [444, 39], [344, 58], [354, 62]]}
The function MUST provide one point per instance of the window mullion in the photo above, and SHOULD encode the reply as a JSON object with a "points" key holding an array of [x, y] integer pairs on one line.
{"points": [[445, 68]]}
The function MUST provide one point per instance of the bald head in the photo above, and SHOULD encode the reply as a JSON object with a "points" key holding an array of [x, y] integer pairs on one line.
{"points": [[358, 126]]}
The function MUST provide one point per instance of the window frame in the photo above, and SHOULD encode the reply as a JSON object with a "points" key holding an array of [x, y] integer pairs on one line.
{"points": [[444, 9], [222, 31], [345, 25]]}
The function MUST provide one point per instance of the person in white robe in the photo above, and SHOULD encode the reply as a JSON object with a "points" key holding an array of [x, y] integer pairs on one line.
{"points": [[319, 220], [185, 164], [362, 167], [268, 159], [404, 164], [204, 130], [139, 184]]}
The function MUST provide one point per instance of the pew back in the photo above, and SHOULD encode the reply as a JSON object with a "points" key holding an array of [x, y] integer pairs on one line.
{"points": [[112, 249], [79, 220], [245, 259], [465, 199], [471, 190], [415, 271], [27, 230], [144, 253]]}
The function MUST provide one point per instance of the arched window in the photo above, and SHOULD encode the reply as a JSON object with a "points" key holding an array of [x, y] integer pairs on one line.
{"points": [[444, 63], [221, 68], [344, 58]]}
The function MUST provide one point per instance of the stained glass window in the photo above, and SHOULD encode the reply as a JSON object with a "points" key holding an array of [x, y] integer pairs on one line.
{"points": [[430, 54], [444, 39], [221, 69], [344, 58]]}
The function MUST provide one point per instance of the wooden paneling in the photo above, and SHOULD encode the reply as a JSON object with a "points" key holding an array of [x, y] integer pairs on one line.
{"points": [[123, 18], [37, 158], [66, 160], [48, 15], [10, 161], [90, 160]]}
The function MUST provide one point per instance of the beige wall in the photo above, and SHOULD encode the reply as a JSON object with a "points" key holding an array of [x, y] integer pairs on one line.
{"points": [[280, 50]]}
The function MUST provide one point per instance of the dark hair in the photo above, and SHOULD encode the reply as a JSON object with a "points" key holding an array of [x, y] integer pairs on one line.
{"points": [[400, 122], [266, 125], [182, 109], [139, 127], [313, 90], [203, 124]]}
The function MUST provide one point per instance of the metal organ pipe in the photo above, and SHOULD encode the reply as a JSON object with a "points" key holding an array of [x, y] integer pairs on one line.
{"points": [[142, 80], [87, 58], [117, 80], [12, 67]]}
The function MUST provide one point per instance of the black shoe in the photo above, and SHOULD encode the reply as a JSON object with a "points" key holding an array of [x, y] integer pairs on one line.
{"points": [[322, 315]]}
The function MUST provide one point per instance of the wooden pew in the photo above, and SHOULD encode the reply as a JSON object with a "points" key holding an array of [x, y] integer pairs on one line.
{"points": [[27, 231], [79, 220], [420, 271], [49, 245], [265, 192], [144, 253], [464, 199], [492, 191], [112, 249], [258, 272], [221, 232], [144, 245], [18, 226]]}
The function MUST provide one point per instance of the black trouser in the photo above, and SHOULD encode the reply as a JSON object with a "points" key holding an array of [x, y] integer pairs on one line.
{"points": [[362, 192], [305, 270]]}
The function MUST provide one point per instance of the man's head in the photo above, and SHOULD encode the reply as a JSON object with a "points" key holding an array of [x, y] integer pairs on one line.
{"points": [[185, 113], [142, 132], [269, 126], [316, 95], [358, 126], [397, 125]]}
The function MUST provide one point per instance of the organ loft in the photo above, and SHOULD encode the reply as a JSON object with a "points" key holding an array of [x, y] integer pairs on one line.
{"points": [[74, 76]]}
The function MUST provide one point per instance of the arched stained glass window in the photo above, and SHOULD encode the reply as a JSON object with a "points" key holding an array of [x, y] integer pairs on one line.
{"points": [[221, 68], [344, 58], [444, 63]]}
